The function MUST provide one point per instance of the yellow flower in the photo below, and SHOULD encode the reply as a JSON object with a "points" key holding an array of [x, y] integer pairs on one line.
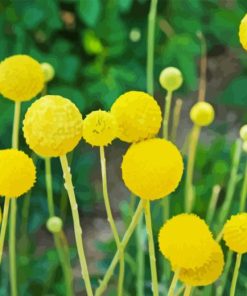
{"points": [[21, 78], [99, 128], [202, 114], [152, 169], [243, 32], [138, 116], [206, 274], [185, 240], [17, 173], [171, 78], [235, 233], [52, 126], [48, 71]]}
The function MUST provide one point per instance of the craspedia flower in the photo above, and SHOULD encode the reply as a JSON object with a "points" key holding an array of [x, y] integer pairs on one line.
{"points": [[152, 169], [138, 116], [99, 128], [17, 173], [243, 32], [186, 241], [54, 224], [206, 274], [171, 78], [52, 126], [235, 233], [202, 114], [48, 71], [243, 132], [21, 78]]}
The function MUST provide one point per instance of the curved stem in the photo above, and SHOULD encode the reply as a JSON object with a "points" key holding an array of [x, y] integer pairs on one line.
{"points": [[151, 249], [77, 226], [4, 226], [244, 191], [235, 274], [173, 284], [111, 219]]}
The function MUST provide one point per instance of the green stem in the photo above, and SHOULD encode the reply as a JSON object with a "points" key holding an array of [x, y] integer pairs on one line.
{"points": [[140, 258], [48, 180], [4, 226], [231, 184], [221, 287], [103, 284], [235, 274], [77, 227], [173, 284], [243, 192], [167, 112], [111, 219], [152, 256], [16, 123], [189, 191], [176, 119], [212, 204], [150, 46], [187, 290]]}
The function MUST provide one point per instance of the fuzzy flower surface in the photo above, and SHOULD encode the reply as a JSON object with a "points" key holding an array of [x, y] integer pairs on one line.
{"points": [[21, 78], [202, 114], [52, 126], [235, 233], [185, 240], [17, 173], [152, 169], [138, 116], [206, 274], [99, 128], [243, 32]]}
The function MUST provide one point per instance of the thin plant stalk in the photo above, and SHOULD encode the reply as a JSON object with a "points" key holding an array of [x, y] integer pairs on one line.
{"points": [[136, 217], [187, 291], [176, 119], [111, 219], [231, 184], [152, 256], [48, 180], [212, 204], [243, 191], [13, 208], [173, 284], [140, 258], [203, 68], [189, 191], [221, 287], [235, 274], [180, 290], [4, 226], [77, 226], [167, 112]]}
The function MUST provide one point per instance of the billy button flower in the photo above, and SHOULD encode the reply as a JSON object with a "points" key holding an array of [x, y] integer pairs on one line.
{"points": [[235, 237], [243, 32], [18, 175], [138, 116], [48, 71], [53, 127], [100, 129]]}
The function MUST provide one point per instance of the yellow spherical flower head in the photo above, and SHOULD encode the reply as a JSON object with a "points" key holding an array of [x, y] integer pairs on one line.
{"points": [[48, 71], [206, 274], [138, 116], [99, 128], [185, 240], [235, 233], [202, 114], [171, 78], [17, 173], [152, 169], [21, 78], [243, 32], [52, 126]]}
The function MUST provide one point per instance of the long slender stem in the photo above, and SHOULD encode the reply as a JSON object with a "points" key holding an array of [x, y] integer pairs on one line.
{"points": [[212, 204], [243, 192], [152, 256], [221, 286], [203, 68], [150, 46], [103, 284], [187, 291], [235, 275], [176, 119], [190, 168], [140, 258], [13, 207], [173, 284], [167, 112], [77, 225], [48, 180], [4, 226], [111, 219]]}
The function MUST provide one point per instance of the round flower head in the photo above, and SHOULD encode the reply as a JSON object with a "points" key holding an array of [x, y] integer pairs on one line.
{"points": [[243, 32], [206, 274], [54, 224], [17, 173], [52, 126], [202, 114], [99, 128], [138, 116], [235, 233], [48, 71], [152, 169], [21, 78], [243, 132], [171, 78], [186, 241]]}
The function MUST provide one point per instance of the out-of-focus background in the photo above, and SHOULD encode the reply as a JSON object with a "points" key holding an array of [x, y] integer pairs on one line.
{"points": [[98, 49]]}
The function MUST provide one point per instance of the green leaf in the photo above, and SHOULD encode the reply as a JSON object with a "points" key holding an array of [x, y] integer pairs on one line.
{"points": [[89, 11]]}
